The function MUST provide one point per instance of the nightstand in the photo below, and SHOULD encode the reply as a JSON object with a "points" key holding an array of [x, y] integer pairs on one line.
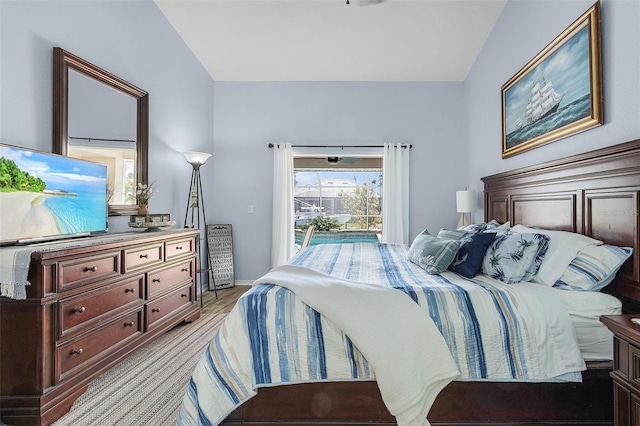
{"points": [[626, 368]]}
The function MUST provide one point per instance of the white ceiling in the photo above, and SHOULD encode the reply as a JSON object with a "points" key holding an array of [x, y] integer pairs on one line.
{"points": [[328, 40]]}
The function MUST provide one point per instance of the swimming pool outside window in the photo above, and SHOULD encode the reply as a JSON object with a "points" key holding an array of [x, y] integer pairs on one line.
{"points": [[346, 190]]}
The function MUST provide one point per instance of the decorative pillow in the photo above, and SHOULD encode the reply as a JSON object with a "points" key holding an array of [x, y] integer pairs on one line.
{"points": [[474, 227], [594, 268], [494, 225], [431, 253], [563, 248], [537, 261], [468, 260], [452, 234], [510, 255]]}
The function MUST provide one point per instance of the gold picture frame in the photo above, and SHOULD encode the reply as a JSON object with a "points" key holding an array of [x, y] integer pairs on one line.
{"points": [[559, 92]]}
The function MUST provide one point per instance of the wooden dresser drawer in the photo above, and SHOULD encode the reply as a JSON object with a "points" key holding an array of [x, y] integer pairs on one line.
{"points": [[161, 281], [141, 257], [86, 310], [634, 366], [83, 270], [168, 304], [91, 308], [78, 352], [179, 248], [621, 356]]}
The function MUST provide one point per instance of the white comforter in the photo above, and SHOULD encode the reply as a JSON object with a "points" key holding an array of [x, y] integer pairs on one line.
{"points": [[413, 365], [273, 336]]}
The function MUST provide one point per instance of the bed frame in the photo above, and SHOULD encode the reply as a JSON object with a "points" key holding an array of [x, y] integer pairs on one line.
{"points": [[596, 194]]}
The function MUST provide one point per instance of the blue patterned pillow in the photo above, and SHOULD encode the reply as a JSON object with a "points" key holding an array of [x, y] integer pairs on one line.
{"points": [[431, 253], [511, 255], [474, 227], [593, 268], [468, 261], [494, 225], [543, 246], [452, 234]]}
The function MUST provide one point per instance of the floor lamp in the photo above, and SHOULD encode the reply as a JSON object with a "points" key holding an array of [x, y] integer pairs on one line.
{"points": [[195, 203], [465, 203]]}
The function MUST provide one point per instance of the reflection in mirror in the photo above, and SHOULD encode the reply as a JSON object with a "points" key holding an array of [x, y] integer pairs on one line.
{"points": [[102, 129], [100, 117]]}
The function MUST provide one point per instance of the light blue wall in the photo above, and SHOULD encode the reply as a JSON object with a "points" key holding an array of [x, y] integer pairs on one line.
{"points": [[131, 39], [248, 116], [454, 127], [523, 30]]}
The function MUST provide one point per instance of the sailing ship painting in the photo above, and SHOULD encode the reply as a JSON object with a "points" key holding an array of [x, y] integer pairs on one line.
{"points": [[544, 101], [556, 94]]}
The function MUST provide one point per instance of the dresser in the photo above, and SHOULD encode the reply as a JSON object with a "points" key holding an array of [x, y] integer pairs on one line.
{"points": [[90, 303], [626, 368]]}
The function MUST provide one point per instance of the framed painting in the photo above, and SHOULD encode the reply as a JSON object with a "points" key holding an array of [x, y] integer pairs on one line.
{"points": [[559, 92]]}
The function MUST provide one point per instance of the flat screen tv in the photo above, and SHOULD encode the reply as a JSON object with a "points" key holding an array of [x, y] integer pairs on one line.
{"points": [[46, 196]]}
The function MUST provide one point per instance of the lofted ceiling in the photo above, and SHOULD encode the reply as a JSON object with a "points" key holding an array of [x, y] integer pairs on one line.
{"points": [[329, 40]]}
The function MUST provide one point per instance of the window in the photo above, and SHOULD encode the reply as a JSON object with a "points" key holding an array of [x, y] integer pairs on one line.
{"points": [[346, 189]]}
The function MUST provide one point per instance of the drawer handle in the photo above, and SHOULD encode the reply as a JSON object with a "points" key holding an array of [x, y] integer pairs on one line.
{"points": [[155, 280], [91, 269], [155, 310], [185, 295], [129, 290], [178, 247], [185, 269], [128, 324], [144, 256], [80, 309], [77, 351]]}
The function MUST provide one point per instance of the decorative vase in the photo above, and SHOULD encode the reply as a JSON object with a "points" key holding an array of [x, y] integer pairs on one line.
{"points": [[143, 209]]}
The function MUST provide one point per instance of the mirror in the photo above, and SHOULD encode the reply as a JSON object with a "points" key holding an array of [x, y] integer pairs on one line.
{"points": [[100, 117]]}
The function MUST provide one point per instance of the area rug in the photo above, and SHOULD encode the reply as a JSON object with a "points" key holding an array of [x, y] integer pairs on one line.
{"points": [[147, 387]]}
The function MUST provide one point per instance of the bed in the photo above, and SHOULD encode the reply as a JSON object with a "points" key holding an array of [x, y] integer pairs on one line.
{"points": [[595, 194]]}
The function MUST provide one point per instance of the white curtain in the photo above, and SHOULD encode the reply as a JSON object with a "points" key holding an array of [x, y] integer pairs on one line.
{"points": [[395, 194], [283, 237]]}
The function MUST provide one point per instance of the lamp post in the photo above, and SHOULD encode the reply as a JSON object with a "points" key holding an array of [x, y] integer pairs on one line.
{"points": [[195, 203]]}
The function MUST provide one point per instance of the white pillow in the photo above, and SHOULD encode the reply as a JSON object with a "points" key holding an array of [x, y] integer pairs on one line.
{"points": [[589, 304], [594, 268], [563, 248]]}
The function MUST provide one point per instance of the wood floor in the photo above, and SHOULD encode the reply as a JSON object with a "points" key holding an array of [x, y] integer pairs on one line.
{"points": [[226, 299]]}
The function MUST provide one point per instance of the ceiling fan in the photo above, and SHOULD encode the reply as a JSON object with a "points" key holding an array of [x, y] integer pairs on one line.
{"points": [[346, 160], [365, 2]]}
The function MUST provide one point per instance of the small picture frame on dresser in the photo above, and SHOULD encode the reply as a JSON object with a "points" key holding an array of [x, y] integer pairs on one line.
{"points": [[138, 218], [150, 218]]}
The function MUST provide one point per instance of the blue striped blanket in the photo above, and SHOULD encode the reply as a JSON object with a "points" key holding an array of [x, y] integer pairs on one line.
{"points": [[494, 331]]}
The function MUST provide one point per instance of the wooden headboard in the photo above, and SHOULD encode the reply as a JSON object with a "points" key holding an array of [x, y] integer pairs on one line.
{"points": [[595, 193]]}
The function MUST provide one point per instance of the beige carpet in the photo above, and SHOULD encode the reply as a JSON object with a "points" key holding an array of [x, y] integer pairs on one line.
{"points": [[147, 387]]}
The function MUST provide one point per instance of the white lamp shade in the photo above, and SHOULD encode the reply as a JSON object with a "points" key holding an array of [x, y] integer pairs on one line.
{"points": [[194, 157], [466, 201]]}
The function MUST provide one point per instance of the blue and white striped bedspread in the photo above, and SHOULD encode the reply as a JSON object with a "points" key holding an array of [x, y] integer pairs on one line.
{"points": [[495, 331]]}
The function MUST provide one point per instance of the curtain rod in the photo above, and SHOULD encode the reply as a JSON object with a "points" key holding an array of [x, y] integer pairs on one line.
{"points": [[270, 145], [101, 140]]}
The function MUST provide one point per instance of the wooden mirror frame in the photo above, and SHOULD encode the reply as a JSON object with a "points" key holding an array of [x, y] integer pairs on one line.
{"points": [[62, 62]]}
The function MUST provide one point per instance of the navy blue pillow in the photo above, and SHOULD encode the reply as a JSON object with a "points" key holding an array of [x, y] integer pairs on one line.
{"points": [[468, 261]]}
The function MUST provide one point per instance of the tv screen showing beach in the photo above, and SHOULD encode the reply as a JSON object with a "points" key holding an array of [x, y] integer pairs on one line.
{"points": [[47, 195]]}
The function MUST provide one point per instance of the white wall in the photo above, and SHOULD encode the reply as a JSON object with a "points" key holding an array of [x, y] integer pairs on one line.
{"points": [[131, 39], [523, 30], [248, 116]]}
